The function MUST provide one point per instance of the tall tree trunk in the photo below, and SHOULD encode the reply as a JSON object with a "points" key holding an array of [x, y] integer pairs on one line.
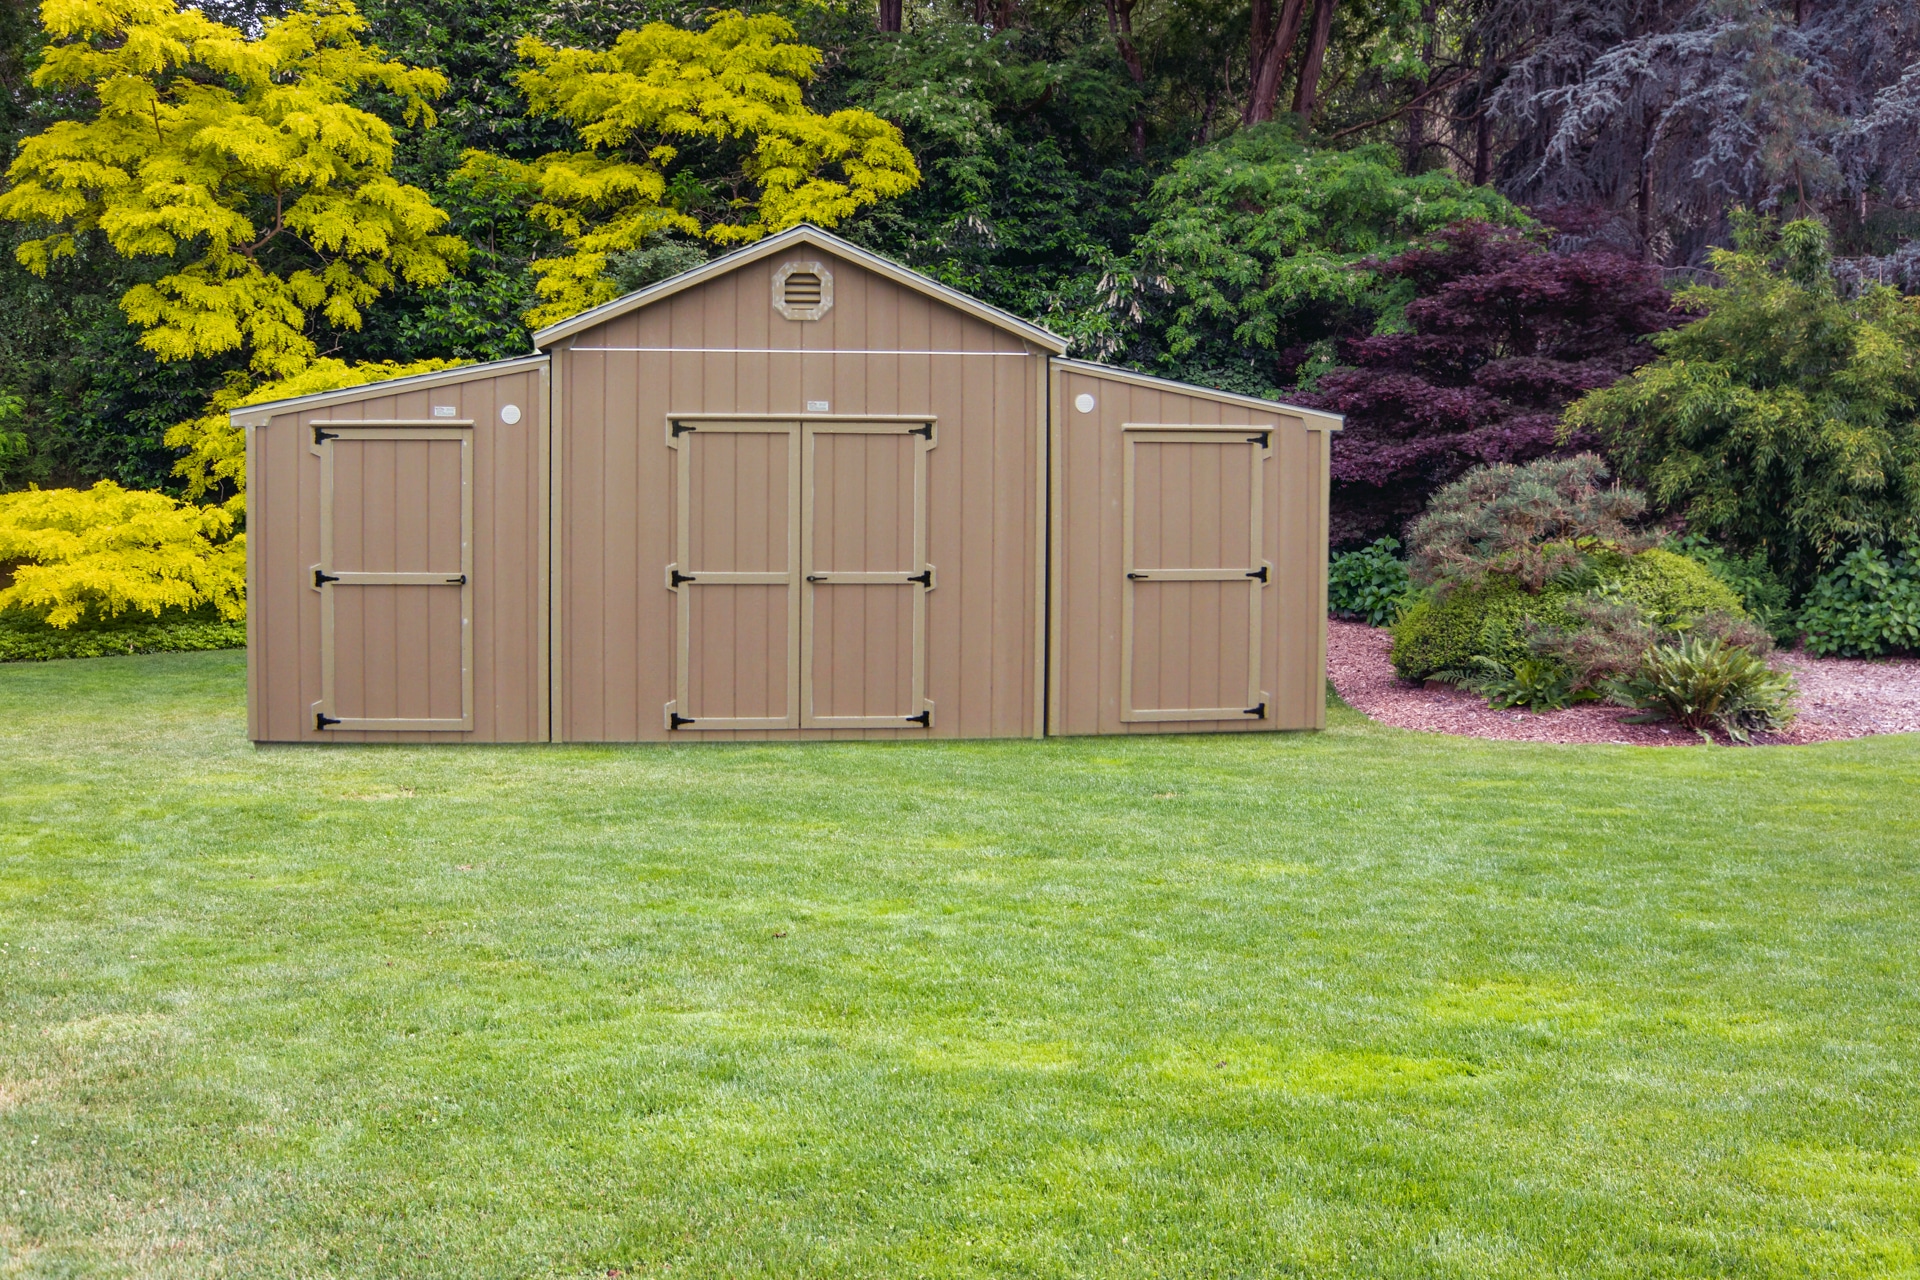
{"points": [[890, 15], [1644, 198], [1259, 36], [980, 12], [1304, 99], [1003, 15], [1415, 145], [1120, 25], [1482, 147], [1270, 63]]}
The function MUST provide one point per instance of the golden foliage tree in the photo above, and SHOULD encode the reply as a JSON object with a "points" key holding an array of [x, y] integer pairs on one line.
{"points": [[246, 165], [245, 161], [99, 552], [739, 82]]}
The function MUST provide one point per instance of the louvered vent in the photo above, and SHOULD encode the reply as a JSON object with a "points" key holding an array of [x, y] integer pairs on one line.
{"points": [[802, 290]]}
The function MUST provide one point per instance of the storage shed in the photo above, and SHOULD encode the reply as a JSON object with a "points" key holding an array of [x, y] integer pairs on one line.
{"points": [[798, 492]]}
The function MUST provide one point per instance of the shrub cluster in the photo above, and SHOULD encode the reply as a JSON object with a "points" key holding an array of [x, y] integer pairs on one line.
{"points": [[1866, 605], [1536, 598], [1369, 585]]}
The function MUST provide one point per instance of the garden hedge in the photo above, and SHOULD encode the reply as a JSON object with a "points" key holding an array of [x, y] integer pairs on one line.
{"points": [[26, 639]]}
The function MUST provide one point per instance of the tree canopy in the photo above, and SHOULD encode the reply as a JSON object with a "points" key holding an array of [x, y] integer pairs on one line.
{"points": [[1787, 418], [245, 165]]}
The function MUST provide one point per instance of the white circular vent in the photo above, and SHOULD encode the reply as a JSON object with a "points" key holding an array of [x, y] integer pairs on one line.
{"points": [[510, 413], [1083, 402]]}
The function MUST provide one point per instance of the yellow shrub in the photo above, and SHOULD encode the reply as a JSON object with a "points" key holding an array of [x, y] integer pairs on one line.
{"points": [[99, 552]]}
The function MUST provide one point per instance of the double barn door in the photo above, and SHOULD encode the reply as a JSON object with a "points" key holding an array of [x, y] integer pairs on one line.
{"points": [[801, 575]]}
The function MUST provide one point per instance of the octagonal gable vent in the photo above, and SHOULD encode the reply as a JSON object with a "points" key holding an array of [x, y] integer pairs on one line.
{"points": [[803, 290]]}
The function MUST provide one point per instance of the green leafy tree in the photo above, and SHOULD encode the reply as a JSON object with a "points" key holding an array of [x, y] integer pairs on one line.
{"points": [[1786, 419], [1261, 241]]}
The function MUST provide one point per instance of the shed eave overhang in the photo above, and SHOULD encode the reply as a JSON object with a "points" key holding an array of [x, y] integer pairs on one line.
{"points": [[806, 234], [1316, 419], [257, 415]]}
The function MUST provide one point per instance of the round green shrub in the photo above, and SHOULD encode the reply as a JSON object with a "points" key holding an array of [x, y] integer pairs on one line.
{"points": [[1446, 632], [1673, 589]]}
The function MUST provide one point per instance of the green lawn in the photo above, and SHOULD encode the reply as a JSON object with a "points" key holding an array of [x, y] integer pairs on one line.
{"points": [[1364, 1003]]}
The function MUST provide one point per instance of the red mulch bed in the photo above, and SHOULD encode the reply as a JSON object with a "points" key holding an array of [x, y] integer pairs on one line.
{"points": [[1839, 698]]}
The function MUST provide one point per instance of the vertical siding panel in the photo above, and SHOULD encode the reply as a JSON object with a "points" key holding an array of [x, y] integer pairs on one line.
{"points": [[654, 648]]}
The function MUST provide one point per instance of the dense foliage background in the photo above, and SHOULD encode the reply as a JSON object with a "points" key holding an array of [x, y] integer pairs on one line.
{"points": [[1247, 195]]}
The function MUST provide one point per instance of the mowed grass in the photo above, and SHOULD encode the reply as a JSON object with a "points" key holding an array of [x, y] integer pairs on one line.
{"points": [[1363, 1003]]}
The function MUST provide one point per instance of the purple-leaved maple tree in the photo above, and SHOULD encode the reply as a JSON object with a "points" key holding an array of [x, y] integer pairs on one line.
{"points": [[1502, 335]]}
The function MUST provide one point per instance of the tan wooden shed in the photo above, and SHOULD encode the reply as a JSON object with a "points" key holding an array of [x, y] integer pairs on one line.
{"points": [[397, 560], [798, 492], [1189, 558]]}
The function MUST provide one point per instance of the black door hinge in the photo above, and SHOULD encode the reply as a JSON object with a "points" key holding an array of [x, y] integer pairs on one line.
{"points": [[1261, 439], [675, 720], [1260, 573], [679, 577], [321, 720], [321, 575], [924, 578], [1259, 712], [1135, 577], [680, 428], [460, 581], [924, 431], [816, 577], [924, 719], [321, 437]]}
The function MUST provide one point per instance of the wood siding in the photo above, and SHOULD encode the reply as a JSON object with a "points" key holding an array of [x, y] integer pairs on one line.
{"points": [[1183, 497], [397, 512], [884, 354]]}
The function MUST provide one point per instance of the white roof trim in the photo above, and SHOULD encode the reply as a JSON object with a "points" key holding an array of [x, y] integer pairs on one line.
{"points": [[1317, 419], [256, 415], [808, 234]]}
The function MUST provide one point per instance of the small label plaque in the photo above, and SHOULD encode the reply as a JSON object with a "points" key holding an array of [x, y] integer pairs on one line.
{"points": [[444, 411], [819, 406]]}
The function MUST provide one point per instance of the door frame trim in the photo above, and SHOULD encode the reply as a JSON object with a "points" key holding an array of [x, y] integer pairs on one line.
{"points": [[740, 424], [327, 579], [924, 440], [1257, 574]]}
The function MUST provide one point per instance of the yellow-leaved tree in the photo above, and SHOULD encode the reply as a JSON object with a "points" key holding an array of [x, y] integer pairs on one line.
{"points": [[244, 165], [736, 84], [99, 552], [242, 161]]}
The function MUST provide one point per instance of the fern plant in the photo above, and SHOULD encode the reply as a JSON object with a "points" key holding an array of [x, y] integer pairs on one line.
{"points": [[1705, 685], [1538, 684]]}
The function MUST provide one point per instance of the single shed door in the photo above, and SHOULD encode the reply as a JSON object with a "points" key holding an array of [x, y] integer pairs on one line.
{"points": [[1190, 640], [395, 576], [737, 541], [864, 540]]}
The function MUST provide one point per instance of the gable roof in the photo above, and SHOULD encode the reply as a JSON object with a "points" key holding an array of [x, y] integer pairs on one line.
{"points": [[256, 415], [804, 234], [1316, 419]]}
